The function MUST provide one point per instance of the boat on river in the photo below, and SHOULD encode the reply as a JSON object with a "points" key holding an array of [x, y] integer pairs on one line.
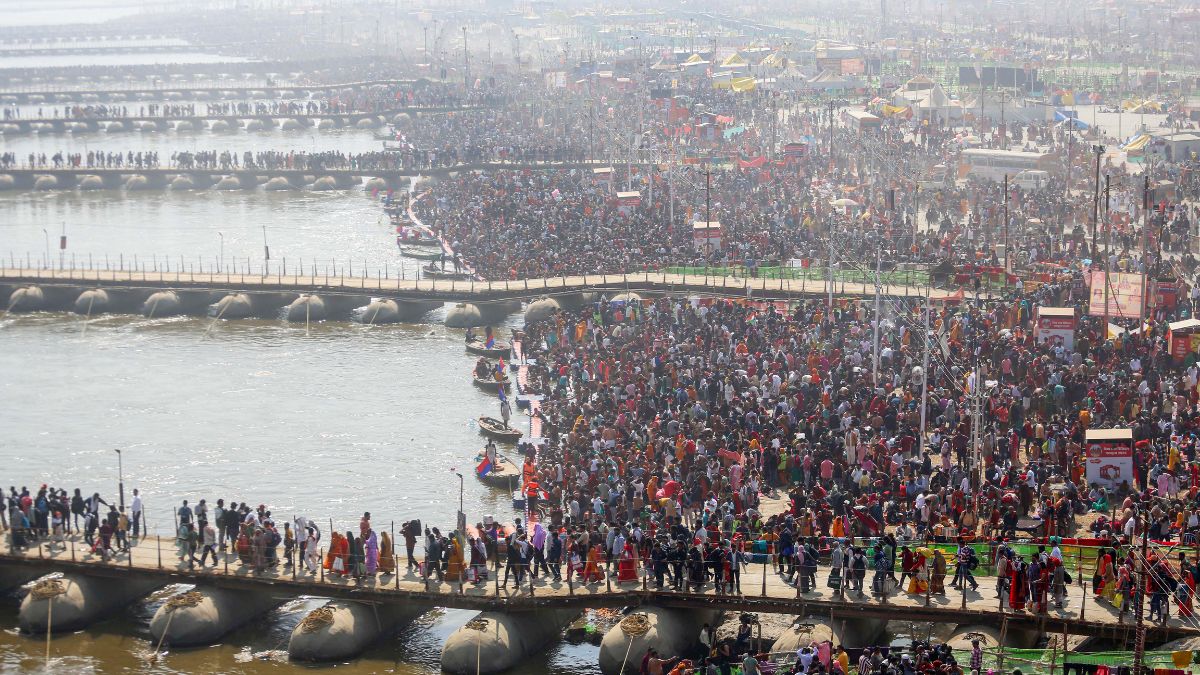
{"points": [[491, 384], [415, 237], [494, 428], [434, 272], [504, 474], [499, 348], [419, 252]]}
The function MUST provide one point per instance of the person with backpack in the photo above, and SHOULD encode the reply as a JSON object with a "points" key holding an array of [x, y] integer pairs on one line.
{"points": [[858, 569], [433, 553], [967, 560]]}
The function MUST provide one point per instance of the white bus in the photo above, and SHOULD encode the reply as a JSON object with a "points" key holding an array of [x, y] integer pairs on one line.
{"points": [[995, 164]]}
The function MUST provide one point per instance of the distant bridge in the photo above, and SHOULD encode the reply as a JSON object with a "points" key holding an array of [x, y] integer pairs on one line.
{"points": [[88, 49], [220, 121], [241, 178], [181, 90]]}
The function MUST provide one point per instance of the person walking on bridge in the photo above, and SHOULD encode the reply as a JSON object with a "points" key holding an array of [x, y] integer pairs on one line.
{"points": [[208, 541]]}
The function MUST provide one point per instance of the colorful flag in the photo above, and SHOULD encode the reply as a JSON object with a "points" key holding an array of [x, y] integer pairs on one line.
{"points": [[485, 467], [503, 396]]}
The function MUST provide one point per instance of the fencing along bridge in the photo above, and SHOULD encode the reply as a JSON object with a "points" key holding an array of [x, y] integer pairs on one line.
{"points": [[524, 619], [251, 121], [31, 289], [180, 90]]}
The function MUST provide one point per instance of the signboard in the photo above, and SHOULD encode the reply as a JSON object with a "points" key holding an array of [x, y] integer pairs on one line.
{"points": [[1183, 344], [1183, 338], [628, 201], [1166, 294], [706, 237], [1125, 291], [1109, 457], [1055, 325], [853, 67]]}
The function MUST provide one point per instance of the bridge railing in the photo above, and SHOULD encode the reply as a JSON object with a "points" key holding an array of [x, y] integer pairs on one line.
{"points": [[352, 275], [410, 168], [760, 577]]}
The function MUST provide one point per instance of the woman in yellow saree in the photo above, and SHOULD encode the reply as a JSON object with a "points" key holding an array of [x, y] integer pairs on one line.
{"points": [[919, 582], [455, 568], [387, 561]]}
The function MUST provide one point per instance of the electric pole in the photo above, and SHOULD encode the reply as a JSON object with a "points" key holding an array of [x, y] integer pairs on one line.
{"points": [[831, 158], [1139, 643], [925, 371], [829, 260], [1099, 150], [466, 61], [708, 195], [875, 337], [1006, 229]]}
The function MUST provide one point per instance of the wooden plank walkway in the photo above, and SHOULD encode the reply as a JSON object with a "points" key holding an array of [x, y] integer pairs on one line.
{"points": [[375, 283], [763, 590]]}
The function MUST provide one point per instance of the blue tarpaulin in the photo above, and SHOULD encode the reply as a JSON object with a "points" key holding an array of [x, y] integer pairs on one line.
{"points": [[1070, 117]]}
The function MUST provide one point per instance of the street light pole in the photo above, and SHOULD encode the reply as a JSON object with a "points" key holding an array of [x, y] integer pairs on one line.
{"points": [[462, 516], [1099, 150], [266, 251], [221, 265], [120, 478], [45, 232]]}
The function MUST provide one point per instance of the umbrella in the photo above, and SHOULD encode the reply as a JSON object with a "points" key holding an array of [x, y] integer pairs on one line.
{"points": [[845, 202]]}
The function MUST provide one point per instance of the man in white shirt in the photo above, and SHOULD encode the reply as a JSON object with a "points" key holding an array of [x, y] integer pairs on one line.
{"points": [[136, 510]]}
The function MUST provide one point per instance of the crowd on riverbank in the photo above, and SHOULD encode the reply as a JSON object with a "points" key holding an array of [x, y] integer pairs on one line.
{"points": [[684, 439], [773, 209]]}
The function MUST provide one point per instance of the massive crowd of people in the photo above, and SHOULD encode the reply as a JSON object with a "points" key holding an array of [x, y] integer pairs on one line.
{"points": [[683, 438]]}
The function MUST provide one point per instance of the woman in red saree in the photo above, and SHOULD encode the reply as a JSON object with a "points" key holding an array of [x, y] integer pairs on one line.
{"points": [[1018, 589], [627, 565]]}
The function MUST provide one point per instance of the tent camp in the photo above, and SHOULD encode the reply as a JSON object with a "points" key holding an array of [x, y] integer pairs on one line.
{"points": [[734, 62], [829, 81], [926, 99]]}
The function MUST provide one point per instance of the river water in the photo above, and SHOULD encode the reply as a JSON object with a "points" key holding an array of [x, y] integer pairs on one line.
{"points": [[330, 421]]}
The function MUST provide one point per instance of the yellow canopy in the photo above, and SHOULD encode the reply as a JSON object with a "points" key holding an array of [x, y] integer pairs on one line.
{"points": [[773, 60], [1136, 144], [742, 84], [734, 60]]}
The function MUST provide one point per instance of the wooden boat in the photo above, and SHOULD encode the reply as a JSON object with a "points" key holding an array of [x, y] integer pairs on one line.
{"points": [[434, 272], [410, 237], [504, 475], [419, 253], [494, 428], [498, 349], [491, 383]]}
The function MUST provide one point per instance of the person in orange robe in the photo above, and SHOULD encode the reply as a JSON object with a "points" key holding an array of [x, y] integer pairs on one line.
{"points": [[595, 559]]}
